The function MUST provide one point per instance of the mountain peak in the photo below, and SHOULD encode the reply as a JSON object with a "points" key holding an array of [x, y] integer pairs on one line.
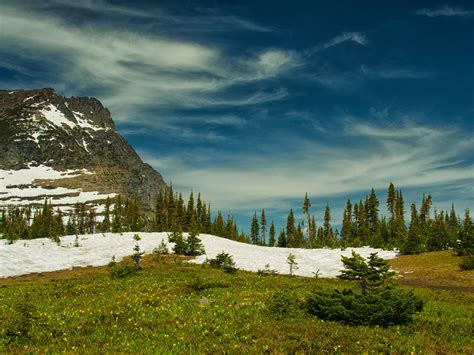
{"points": [[40, 128]]}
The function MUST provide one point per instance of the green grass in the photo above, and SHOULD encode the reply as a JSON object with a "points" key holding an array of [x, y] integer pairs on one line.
{"points": [[173, 306]]}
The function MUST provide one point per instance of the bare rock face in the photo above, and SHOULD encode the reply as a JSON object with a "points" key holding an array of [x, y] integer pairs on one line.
{"points": [[39, 127]]}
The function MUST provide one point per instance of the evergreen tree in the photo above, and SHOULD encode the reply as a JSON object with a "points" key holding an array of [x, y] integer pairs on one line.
{"points": [[263, 228], [190, 212], [254, 229], [105, 225], [347, 228], [306, 207], [413, 243], [372, 210], [313, 240], [271, 240], [327, 226], [290, 228], [282, 243]]}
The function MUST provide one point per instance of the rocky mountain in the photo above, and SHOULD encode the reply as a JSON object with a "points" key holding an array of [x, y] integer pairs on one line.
{"points": [[66, 148]]}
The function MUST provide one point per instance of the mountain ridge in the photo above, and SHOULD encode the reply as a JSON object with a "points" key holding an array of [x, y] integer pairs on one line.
{"points": [[41, 128]]}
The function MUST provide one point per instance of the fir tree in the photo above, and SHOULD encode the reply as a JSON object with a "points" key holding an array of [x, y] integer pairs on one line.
{"points": [[327, 225], [263, 228], [254, 229], [290, 228], [413, 245], [282, 243], [271, 240], [306, 207], [347, 230]]}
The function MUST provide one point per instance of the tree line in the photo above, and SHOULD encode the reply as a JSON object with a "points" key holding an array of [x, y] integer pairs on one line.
{"points": [[362, 223]]}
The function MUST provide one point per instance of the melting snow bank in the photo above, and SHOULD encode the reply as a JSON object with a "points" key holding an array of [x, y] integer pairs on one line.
{"points": [[43, 255]]}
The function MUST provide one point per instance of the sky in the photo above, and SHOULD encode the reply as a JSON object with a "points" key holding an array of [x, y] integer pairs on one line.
{"points": [[255, 103]]}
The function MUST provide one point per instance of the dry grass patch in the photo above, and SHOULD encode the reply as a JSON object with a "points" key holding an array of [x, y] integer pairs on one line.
{"points": [[433, 270]]}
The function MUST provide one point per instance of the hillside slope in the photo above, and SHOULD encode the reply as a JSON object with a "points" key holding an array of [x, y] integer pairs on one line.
{"points": [[75, 140]]}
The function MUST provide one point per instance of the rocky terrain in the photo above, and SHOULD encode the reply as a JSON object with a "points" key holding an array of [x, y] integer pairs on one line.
{"points": [[74, 137]]}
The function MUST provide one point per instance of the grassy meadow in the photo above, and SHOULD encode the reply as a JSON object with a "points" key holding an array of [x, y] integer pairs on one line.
{"points": [[174, 306]]}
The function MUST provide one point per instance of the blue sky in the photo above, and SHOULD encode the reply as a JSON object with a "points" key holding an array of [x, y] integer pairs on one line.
{"points": [[254, 103]]}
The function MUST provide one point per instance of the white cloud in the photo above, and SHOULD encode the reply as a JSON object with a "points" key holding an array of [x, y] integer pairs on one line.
{"points": [[446, 10], [355, 37], [134, 69], [410, 155]]}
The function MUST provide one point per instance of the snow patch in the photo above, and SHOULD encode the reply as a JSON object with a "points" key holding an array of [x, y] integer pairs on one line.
{"points": [[56, 117], [43, 255]]}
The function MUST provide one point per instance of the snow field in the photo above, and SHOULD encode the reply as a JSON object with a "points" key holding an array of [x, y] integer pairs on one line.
{"points": [[43, 255]]}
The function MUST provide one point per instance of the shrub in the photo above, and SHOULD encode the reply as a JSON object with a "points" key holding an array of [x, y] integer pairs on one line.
{"points": [[376, 304], [267, 271], [383, 306], [122, 270], [467, 263], [282, 305], [224, 261]]}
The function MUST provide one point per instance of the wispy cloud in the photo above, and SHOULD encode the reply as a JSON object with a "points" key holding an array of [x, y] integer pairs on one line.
{"points": [[409, 154], [446, 10], [355, 37], [134, 69]]}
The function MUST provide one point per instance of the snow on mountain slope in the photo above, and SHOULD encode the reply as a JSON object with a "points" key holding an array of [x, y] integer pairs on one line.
{"points": [[18, 187], [43, 255]]}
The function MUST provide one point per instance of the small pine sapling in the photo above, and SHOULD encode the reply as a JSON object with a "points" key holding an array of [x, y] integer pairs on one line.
{"points": [[137, 256], [292, 262], [374, 272]]}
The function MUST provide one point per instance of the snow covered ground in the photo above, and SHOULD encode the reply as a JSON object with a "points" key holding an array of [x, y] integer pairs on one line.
{"points": [[17, 187], [42, 255]]}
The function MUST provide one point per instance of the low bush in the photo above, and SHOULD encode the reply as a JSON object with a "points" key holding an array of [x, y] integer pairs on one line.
{"points": [[122, 270], [467, 263], [384, 306], [224, 261], [283, 305]]}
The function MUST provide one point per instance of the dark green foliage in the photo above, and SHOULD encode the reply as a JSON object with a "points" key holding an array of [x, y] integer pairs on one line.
{"points": [[201, 284], [121, 270], [254, 229], [271, 239], [467, 263], [224, 261], [267, 271], [372, 272], [137, 255], [283, 304], [384, 306], [194, 245], [378, 303]]}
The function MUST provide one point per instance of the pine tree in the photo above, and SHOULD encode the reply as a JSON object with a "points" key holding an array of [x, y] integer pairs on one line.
{"points": [[263, 228], [218, 225], [373, 219], [306, 207], [190, 212], [391, 202], [313, 240], [105, 225], [282, 242], [347, 230], [254, 229], [413, 243], [271, 240], [327, 225], [290, 228]]}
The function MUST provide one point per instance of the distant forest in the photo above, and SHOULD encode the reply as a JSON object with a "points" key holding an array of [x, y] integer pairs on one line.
{"points": [[362, 223]]}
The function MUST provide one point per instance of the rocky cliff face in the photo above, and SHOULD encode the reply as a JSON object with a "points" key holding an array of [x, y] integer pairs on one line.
{"points": [[41, 128]]}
